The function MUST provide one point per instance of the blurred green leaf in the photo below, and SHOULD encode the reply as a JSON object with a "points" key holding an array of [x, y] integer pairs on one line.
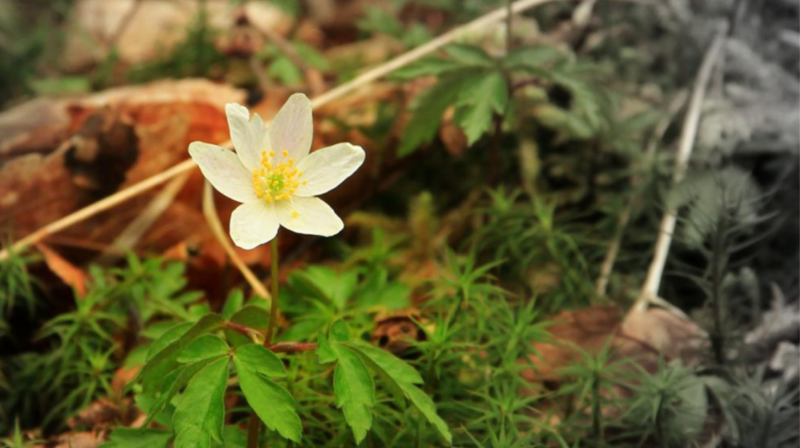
{"points": [[271, 402], [200, 411], [260, 360], [138, 438], [480, 99], [204, 347]]}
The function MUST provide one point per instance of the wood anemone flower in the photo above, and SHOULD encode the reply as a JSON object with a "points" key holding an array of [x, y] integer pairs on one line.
{"points": [[273, 175]]}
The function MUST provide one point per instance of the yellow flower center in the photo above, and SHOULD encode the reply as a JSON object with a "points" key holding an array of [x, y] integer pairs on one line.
{"points": [[276, 182]]}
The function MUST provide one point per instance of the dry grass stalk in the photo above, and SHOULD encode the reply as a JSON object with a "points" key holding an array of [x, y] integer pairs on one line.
{"points": [[649, 292]]}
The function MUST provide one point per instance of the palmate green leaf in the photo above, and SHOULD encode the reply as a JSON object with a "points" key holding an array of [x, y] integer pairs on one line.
{"points": [[204, 347], [333, 286], [480, 99], [469, 55], [200, 411], [271, 402], [168, 337], [532, 58], [260, 360], [352, 383], [325, 353], [233, 437], [430, 107], [432, 66], [355, 390], [164, 360], [175, 381], [392, 365], [401, 379], [233, 303], [138, 438]]}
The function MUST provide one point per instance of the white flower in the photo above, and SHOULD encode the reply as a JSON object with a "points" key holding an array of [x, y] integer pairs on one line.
{"points": [[273, 175]]}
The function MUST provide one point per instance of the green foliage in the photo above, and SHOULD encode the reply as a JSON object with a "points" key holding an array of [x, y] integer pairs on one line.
{"points": [[758, 415], [468, 69], [318, 295], [589, 112], [377, 20], [81, 351], [17, 439], [670, 405], [16, 286], [283, 68], [273, 403], [355, 389], [200, 411], [529, 235], [21, 49], [138, 438], [713, 195]]}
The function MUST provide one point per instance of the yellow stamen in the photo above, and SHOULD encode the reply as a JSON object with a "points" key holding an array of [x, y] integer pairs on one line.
{"points": [[295, 214], [275, 181]]}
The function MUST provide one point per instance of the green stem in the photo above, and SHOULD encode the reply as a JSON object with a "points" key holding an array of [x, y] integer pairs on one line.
{"points": [[254, 427], [273, 312], [597, 425]]}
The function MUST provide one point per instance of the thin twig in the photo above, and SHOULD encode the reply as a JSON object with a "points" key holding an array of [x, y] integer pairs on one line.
{"points": [[613, 248], [319, 101], [124, 23], [212, 217], [649, 292], [278, 347], [134, 231]]}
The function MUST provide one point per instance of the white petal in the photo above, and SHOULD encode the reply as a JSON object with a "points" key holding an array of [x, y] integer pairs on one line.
{"points": [[309, 216], [325, 169], [224, 170], [249, 136], [292, 129], [253, 224]]}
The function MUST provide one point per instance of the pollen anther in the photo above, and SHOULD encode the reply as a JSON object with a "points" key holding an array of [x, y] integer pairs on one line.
{"points": [[275, 182]]}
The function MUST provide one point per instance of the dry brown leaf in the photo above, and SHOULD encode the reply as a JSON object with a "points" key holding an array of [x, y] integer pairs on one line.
{"points": [[66, 271], [454, 139], [662, 331], [641, 336], [396, 332], [85, 439], [101, 413], [122, 377]]}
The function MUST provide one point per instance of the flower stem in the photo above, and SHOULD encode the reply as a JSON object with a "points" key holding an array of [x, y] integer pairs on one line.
{"points": [[273, 312], [254, 426]]}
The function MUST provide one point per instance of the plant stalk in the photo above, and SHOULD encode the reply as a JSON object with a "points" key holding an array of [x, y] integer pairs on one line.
{"points": [[597, 424], [273, 309], [254, 427]]}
